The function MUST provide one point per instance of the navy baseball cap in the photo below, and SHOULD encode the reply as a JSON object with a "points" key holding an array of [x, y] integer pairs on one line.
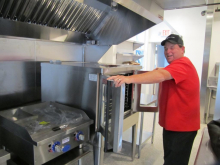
{"points": [[174, 39]]}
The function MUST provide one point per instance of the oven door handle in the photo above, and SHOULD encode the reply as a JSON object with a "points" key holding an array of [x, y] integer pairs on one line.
{"points": [[108, 97]]}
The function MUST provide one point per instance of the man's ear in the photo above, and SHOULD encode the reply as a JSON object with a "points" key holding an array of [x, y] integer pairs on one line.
{"points": [[183, 49]]}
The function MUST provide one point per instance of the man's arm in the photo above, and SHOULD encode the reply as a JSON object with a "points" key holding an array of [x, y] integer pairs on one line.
{"points": [[155, 76]]}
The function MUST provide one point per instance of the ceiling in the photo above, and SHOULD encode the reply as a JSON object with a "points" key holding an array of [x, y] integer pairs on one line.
{"points": [[178, 4]]}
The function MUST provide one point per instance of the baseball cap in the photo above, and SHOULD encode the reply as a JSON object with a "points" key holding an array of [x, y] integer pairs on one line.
{"points": [[174, 39]]}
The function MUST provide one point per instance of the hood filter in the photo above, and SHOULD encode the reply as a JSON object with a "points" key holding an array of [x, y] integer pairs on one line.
{"points": [[63, 14]]}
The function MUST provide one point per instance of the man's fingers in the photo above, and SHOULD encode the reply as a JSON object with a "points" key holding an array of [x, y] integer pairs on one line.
{"points": [[118, 83], [111, 78], [118, 80]]}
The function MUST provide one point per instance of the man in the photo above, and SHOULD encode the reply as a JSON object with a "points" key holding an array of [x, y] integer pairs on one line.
{"points": [[179, 105]]}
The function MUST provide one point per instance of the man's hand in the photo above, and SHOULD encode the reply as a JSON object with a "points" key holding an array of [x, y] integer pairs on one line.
{"points": [[156, 76], [119, 80], [158, 68]]}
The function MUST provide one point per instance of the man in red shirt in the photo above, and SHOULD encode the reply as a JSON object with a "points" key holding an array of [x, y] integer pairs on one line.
{"points": [[179, 105]]}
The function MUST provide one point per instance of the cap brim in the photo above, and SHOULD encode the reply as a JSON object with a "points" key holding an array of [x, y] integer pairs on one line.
{"points": [[171, 41]]}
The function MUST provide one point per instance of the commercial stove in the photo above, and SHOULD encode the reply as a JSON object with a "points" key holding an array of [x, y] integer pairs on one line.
{"points": [[41, 132]]}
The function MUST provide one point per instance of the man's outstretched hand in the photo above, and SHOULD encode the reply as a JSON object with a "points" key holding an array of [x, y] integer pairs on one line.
{"points": [[119, 80]]}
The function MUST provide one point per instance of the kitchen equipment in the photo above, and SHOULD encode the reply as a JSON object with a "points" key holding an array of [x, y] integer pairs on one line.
{"points": [[79, 21], [85, 86], [29, 131]]}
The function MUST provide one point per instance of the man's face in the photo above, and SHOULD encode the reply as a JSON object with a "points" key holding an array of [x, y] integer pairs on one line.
{"points": [[173, 52]]}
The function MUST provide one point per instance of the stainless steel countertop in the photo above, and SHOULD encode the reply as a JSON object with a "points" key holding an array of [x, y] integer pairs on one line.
{"points": [[105, 69]]}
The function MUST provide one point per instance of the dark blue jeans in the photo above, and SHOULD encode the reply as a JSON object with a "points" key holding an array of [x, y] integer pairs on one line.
{"points": [[177, 147]]}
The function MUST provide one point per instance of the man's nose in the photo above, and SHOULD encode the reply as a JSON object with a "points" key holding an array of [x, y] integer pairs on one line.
{"points": [[168, 50]]}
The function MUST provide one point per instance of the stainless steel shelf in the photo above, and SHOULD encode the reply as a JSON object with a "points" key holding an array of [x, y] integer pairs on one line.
{"points": [[136, 44], [128, 57]]}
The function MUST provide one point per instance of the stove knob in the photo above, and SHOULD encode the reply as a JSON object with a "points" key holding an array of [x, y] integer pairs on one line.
{"points": [[56, 147], [79, 136]]}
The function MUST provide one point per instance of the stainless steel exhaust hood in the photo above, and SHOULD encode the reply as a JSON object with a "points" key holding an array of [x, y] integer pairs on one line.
{"points": [[74, 20]]}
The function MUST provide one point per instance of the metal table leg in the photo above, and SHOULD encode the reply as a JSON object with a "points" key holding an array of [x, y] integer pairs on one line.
{"points": [[153, 130], [140, 135], [80, 162], [134, 139], [98, 149], [208, 106]]}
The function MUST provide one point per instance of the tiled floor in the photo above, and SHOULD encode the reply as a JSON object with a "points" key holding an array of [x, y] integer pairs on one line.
{"points": [[151, 154]]}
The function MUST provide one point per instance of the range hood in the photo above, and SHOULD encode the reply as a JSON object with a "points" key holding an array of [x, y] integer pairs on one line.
{"points": [[104, 22]]}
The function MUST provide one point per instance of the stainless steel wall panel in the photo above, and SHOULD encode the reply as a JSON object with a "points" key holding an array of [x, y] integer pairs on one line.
{"points": [[46, 51], [19, 83], [217, 102], [30, 50], [14, 49], [204, 91]]}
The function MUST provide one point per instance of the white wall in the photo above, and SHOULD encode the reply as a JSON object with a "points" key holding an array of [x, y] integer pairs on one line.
{"points": [[191, 25], [156, 32]]}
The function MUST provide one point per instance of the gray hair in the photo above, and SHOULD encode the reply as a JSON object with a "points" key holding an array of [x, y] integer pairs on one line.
{"points": [[181, 46]]}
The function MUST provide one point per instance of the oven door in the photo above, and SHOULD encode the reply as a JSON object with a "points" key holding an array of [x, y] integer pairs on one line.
{"points": [[112, 106]]}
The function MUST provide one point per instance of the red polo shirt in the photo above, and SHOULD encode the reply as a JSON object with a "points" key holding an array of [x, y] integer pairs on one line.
{"points": [[179, 103]]}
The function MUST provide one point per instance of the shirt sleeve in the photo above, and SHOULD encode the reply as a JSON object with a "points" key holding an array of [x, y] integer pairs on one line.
{"points": [[178, 70]]}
